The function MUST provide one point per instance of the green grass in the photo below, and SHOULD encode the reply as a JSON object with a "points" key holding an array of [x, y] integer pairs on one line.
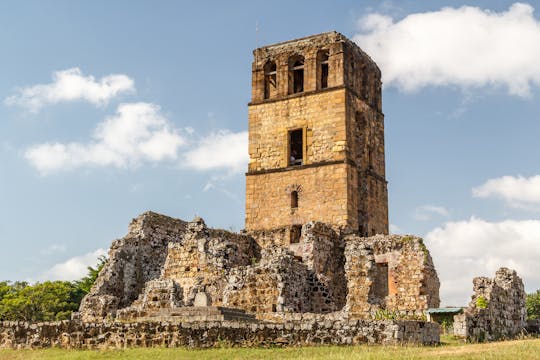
{"points": [[450, 349]]}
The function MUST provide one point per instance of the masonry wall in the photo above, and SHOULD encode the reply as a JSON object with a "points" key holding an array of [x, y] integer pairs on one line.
{"points": [[341, 123], [497, 309], [77, 335], [132, 261], [322, 114], [412, 282], [322, 196], [365, 134]]}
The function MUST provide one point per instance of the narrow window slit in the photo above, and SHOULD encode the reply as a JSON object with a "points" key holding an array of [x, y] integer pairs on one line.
{"points": [[294, 199], [296, 147]]}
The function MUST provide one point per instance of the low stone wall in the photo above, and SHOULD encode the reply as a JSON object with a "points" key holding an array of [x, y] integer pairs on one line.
{"points": [[78, 335]]}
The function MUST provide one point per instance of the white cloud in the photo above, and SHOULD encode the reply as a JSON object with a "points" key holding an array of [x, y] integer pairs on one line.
{"points": [[466, 46], [220, 150], [517, 191], [465, 249], [73, 268], [71, 85], [136, 133], [426, 212]]}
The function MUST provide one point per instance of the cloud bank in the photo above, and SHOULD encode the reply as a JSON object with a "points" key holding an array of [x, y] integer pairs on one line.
{"points": [[220, 150], [136, 133], [516, 191], [464, 47], [71, 85], [73, 268], [464, 249]]}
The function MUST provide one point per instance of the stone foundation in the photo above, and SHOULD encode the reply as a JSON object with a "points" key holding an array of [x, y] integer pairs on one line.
{"points": [[78, 335]]}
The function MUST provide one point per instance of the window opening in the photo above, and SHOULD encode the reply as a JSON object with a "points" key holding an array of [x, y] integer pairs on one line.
{"points": [[294, 199], [324, 69], [381, 280], [296, 147], [294, 234], [297, 70], [270, 79]]}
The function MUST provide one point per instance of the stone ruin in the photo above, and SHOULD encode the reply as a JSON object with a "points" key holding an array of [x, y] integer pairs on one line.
{"points": [[164, 267], [314, 264], [497, 308]]}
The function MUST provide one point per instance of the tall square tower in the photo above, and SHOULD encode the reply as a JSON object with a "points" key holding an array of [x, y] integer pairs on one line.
{"points": [[316, 137]]}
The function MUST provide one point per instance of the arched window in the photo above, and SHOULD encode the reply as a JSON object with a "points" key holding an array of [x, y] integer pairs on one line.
{"points": [[270, 79], [294, 199], [296, 74], [322, 59]]}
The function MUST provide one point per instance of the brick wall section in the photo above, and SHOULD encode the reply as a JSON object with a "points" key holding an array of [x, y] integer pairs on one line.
{"points": [[77, 335], [497, 309]]}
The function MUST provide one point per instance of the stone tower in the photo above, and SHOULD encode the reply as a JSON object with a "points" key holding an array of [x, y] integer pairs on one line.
{"points": [[316, 137]]}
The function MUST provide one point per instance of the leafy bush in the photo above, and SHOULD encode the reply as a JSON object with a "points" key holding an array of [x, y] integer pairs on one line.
{"points": [[533, 305]]}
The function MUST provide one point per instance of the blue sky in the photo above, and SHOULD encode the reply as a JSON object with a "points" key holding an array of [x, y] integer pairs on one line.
{"points": [[461, 88]]}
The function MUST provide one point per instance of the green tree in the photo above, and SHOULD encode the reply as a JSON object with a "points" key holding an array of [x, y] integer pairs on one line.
{"points": [[47, 301], [533, 305], [85, 284]]}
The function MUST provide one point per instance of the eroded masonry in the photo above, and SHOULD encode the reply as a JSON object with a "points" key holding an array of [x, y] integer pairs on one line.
{"points": [[316, 212], [315, 263]]}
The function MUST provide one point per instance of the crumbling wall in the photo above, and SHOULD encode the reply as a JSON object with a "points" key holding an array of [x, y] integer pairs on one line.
{"points": [[199, 263], [360, 274], [278, 283], [202, 261], [321, 251], [412, 284], [132, 261], [497, 309], [322, 272]]}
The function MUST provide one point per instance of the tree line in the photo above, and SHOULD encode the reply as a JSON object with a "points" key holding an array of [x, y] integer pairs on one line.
{"points": [[45, 301]]}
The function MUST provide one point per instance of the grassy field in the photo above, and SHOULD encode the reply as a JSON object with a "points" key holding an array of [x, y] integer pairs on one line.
{"points": [[516, 350]]}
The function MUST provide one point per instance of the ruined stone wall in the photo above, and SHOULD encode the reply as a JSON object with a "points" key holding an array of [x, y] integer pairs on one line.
{"points": [[497, 309], [278, 283], [322, 196], [412, 283], [199, 263], [77, 335], [322, 251], [360, 275], [132, 261], [203, 259]]}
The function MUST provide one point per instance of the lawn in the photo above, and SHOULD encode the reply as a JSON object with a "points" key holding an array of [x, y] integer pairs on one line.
{"points": [[518, 349]]}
